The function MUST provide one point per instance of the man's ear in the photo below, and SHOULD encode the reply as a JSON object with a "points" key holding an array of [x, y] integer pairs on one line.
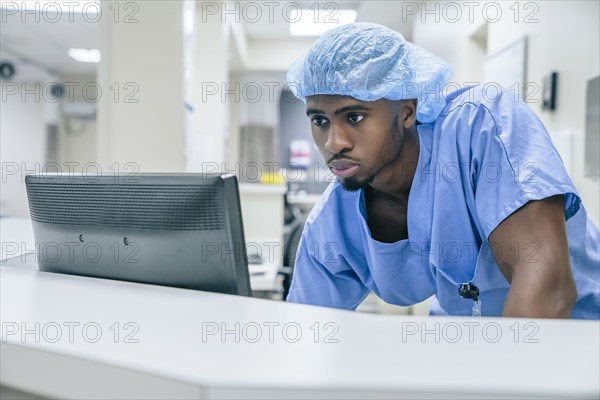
{"points": [[408, 113]]}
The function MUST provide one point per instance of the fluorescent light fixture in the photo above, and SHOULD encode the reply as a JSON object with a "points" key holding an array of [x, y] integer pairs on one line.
{"points": [[305, 22], [85, 55], [188, 21]]}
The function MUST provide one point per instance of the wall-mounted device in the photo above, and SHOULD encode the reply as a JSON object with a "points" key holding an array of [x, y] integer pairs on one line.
{"points": [[7, 70], [549, 91]]}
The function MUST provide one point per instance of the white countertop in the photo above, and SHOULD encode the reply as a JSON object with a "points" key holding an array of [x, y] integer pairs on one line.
{"points": [[16, 236], [262, 188], [365, 356]]}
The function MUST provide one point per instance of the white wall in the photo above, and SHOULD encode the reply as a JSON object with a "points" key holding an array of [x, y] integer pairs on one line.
{"points": [[451, 42], [208, 131], [144, 124], [275, 55], [22, 148], [24, 137], [564, 39]]}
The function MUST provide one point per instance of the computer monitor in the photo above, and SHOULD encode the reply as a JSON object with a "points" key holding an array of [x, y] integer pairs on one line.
{"points": [[181, 230]]}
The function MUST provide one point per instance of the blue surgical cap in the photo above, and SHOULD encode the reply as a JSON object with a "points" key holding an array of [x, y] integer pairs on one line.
{"points": [[370, 62]]}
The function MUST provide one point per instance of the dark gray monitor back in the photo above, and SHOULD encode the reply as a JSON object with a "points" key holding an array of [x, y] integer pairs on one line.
{"points": [[181, 230]]}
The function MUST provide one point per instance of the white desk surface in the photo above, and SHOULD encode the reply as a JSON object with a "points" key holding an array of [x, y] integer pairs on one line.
{"points": [[16, 236], [374, 356]]}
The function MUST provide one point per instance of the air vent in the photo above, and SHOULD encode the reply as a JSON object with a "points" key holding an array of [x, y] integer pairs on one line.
{"points": [[131, 206]]}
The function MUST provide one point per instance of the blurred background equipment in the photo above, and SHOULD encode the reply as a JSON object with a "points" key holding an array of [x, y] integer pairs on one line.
{"points": [[7, 70]]}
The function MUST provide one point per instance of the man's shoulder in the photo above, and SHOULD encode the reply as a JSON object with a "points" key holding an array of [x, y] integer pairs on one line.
{"points": [[470, 98]]}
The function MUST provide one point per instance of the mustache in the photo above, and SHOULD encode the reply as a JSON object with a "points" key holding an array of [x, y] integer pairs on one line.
{"points": [[341, 157]]}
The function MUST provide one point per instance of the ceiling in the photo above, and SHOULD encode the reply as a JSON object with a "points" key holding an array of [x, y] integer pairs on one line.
{"points": [[38, 45], [39, 48], [388, 13]]}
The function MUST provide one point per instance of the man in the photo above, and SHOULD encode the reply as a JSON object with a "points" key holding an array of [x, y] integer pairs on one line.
{"points": [[463, 197]]}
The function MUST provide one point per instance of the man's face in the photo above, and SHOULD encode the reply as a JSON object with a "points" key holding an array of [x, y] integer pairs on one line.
{"points": [[358, 140]]}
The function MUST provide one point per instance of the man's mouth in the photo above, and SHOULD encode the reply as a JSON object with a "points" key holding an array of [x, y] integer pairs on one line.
{"points": [[343, 169]]}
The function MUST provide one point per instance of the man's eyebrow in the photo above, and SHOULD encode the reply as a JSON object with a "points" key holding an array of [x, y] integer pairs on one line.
{"points": [[355, 107], [314, 111]]}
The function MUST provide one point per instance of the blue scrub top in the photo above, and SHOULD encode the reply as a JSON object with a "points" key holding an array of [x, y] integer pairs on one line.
{"points": [[485, 156]]}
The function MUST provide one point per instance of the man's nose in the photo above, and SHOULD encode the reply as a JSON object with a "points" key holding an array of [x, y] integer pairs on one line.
{"points": [[338, 140]]}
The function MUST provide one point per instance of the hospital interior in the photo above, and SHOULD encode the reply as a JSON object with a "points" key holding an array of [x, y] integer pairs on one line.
{"points": [[126, 88]]}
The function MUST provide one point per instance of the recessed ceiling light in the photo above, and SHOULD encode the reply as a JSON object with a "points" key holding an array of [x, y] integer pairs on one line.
{"points": [[85, 55], [305, 22]]}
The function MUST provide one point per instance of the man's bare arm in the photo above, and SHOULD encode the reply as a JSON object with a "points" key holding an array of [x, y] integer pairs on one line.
{"points": [[531, 250]]}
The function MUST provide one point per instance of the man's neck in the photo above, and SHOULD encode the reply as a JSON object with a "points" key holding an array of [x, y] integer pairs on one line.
{"points": [[395, 182]]}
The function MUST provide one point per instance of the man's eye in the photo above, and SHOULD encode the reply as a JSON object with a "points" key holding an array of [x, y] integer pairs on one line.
{"points": [[355, 118], [319, 121]]}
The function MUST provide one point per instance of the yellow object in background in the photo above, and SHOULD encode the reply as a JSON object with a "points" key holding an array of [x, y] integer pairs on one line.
{"points": [[272, 178]]}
